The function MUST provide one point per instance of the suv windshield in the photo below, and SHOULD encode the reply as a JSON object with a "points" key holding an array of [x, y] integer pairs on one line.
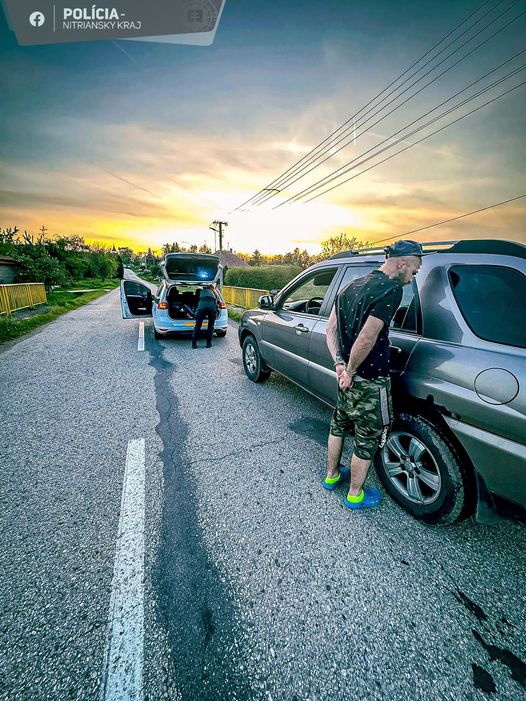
{"points": [[492, 300]]}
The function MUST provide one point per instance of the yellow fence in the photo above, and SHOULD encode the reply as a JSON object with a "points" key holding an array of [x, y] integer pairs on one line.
{"points": [[13, 297], [242, 296]]}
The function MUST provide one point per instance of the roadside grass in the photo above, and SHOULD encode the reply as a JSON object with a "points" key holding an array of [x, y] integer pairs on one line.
{"points": [[92, 283], [58, 303], [235, 313]]}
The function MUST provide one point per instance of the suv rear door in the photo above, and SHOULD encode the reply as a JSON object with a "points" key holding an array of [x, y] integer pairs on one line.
{"points": [[321, 373], [405, 329]]}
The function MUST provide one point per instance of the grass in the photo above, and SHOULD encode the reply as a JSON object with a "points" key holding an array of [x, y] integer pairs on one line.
{"points": [[92, 283], [235, 313], [59, 302]]}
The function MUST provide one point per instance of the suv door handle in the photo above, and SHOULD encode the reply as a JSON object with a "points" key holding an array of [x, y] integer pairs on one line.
{"points": [[301, 328], [395, 349]]}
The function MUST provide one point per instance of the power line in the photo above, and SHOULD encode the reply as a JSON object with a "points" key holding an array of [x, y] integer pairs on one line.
{"points": [[372, 100], [419, 141], [297, 176], [313, 151], [446, 221], [338, 173], [413, 144]]}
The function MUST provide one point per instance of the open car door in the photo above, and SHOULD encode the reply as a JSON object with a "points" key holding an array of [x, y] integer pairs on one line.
{"points": [[136, 300]]}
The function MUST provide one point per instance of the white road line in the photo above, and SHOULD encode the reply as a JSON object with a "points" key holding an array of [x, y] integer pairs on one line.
{"points": [[123, 663], [140, 345]]}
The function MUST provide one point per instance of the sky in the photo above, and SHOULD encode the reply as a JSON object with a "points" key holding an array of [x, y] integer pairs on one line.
{"points": [[141, 144]]}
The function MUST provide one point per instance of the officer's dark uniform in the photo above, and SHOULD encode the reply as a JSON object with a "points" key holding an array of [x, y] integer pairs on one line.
{"points": [[206, 309]]}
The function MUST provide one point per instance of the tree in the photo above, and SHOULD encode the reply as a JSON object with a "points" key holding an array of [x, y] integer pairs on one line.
{"points": [[256, 258], [205, 249], [36, 265], [8, 241], [339, 243]]}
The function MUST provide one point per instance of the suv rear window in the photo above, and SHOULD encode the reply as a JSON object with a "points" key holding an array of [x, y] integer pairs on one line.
{"points": [[191, 270], [492, 300]]}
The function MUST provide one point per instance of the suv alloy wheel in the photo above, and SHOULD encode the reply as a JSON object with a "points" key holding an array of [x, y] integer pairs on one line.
{"points": [[254, 365], [422, 470]]}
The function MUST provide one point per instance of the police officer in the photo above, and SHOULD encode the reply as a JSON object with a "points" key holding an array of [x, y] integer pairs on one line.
{"points": [[206, 309], [357, 338]]}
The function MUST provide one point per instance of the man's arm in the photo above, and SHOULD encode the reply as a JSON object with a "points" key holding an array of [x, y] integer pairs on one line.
{"points": [[333, 343]]}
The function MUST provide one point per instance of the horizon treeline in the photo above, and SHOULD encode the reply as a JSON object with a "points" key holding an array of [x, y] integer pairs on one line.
{"points": [[58, 260]]}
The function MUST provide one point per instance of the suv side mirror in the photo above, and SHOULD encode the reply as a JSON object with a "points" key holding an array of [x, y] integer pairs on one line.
{"points": [[266, 302]]}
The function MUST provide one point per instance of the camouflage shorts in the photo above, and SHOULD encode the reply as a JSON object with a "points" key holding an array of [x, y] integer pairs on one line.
{"points": [[364, 411]]}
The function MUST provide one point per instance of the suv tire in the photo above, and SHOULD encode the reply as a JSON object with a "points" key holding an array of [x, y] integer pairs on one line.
{"points": [[253, 363], [435, 485], [221, 334]]}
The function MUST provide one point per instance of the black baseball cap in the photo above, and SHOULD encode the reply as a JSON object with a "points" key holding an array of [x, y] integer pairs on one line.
{"points": [[404, 248]]}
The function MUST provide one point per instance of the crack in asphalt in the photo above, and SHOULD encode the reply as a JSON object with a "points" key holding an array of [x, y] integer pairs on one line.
{"points": [[234, 453], [206, 643]]}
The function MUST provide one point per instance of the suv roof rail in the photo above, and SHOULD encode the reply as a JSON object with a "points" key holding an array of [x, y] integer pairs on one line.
{"points": [[485, 246], [429, 247], [490, 246]]}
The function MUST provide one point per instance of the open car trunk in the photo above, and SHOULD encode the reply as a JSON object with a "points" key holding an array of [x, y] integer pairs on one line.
{"points": [[196, 268], [182, 302]]}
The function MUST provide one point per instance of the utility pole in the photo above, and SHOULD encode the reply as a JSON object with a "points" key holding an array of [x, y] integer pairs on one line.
{"points": [[220, 224]]}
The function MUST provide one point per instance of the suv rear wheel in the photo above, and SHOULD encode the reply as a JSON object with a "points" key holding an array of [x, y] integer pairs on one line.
{"points": [[422, 470], [253, 363]]}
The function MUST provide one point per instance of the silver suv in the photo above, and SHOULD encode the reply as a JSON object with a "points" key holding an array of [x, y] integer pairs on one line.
{"points": [[458, 360]]}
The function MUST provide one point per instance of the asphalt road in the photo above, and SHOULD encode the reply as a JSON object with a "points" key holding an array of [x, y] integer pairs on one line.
{"points": [[257, 583]]}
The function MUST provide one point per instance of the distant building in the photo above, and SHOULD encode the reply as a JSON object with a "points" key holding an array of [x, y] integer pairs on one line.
{"points": [[7, 270], [230, 260]]}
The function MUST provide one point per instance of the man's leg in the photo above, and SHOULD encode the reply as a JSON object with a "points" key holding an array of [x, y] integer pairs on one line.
{"points": [[197, 328], [359, 469], [211, 314], [335, 448], [370, 415]]}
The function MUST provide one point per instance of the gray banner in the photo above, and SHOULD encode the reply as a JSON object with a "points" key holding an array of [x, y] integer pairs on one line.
{"points": [[48, 22]]}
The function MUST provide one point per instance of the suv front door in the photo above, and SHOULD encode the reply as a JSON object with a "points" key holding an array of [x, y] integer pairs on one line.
{"points": [[286, 334]]}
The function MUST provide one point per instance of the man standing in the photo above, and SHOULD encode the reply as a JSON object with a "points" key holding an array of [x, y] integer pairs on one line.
{"points": [[357, 338], [206, 308]]}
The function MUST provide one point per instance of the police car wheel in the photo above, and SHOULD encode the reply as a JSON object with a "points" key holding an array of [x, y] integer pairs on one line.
{"points": [[422, 470], [253, 363]]}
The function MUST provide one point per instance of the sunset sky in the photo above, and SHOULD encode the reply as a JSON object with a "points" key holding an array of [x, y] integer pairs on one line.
{"points": [[140, 144]]}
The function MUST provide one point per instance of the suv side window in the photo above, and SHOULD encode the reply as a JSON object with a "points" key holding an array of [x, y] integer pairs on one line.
{"points": [[308, 296], [353, 272], [492, 300], [407, 315]]}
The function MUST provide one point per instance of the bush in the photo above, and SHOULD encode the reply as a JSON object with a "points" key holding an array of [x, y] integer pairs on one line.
{"points": [[265, 277]]}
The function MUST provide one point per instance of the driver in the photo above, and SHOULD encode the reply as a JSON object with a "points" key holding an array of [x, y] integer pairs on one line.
{"points": [[357, 338]]}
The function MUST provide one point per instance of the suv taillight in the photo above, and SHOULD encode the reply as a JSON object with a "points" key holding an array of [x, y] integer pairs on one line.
{"points": [[222, 305], [162, 305]]}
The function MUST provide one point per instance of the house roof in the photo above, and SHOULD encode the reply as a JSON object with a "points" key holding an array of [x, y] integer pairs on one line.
{"points": [[7, 260], [230, 260]]}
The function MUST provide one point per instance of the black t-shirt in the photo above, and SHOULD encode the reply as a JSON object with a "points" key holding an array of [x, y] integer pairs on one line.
{"points": [[375, 295], [207, 298]]}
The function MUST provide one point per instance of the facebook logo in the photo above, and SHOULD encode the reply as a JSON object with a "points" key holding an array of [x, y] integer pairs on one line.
{"points": [[37, 19]]}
